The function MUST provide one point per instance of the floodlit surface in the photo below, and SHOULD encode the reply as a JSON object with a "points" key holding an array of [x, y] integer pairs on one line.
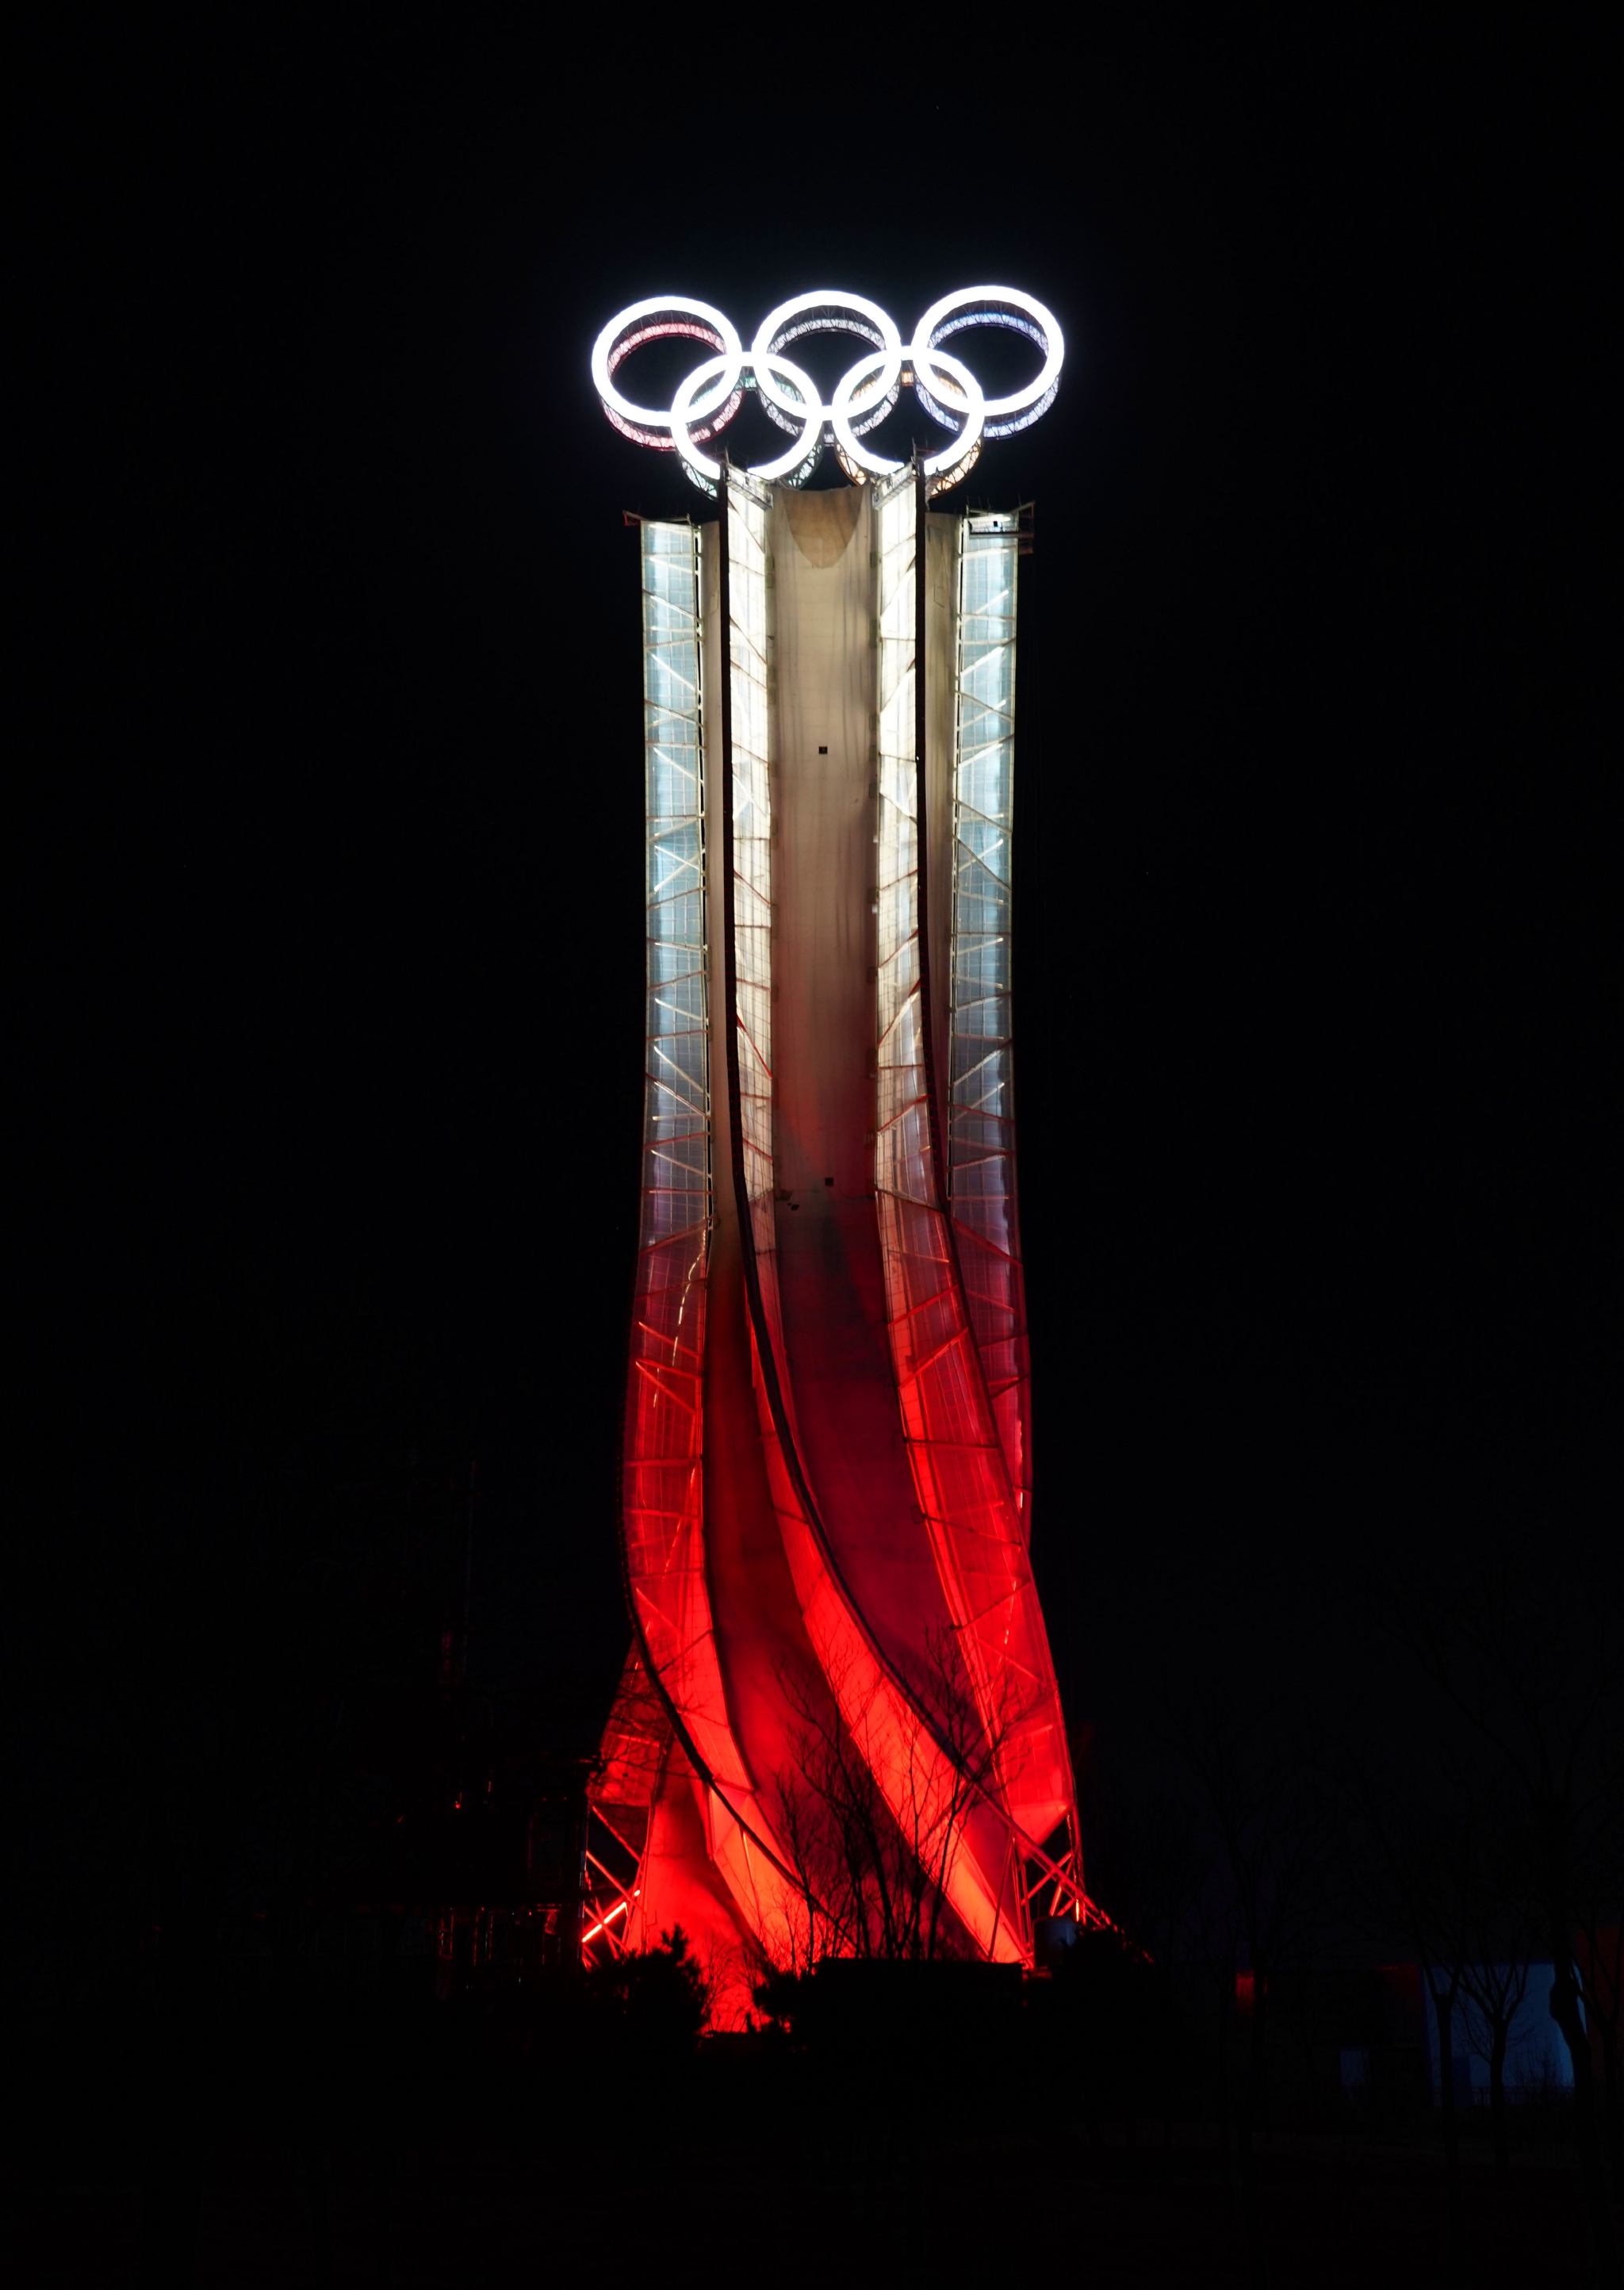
{"points": [[981, 1103], [662, 1495], [945, 383], [679, 1801], [827, 1462]]}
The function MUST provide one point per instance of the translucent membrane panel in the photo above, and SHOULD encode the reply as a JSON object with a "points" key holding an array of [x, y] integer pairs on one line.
{"points": [[980, 1094], [902, 1132], [662, 1507], [900, 1748], [961, 1476], [965, 1845], [677, 1124], [749, 668], [739, 1826], [936, 1380]]}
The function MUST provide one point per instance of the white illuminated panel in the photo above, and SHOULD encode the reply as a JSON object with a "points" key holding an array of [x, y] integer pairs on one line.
{"points": [[956, 1452], [662, 1464], [749, 639], [980, 1094], [676, 1124]]}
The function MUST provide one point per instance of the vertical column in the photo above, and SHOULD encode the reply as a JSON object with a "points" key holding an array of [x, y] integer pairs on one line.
{"points": [[662, 1495], [981, 1102], [676, 1115], [750, 741], [953, 1453], [902, 1127], [662, 1506], [961, 1478]]}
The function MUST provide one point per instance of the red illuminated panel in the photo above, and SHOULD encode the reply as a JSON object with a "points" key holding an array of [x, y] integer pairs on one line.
{"points": [[662, 1498], [958, 1460]]}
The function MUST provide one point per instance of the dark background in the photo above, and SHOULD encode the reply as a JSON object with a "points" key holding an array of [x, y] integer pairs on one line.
{"points": [[328, 838]]}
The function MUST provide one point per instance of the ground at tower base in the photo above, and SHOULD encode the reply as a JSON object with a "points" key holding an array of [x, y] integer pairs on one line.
{"points": [[452, 2156]]}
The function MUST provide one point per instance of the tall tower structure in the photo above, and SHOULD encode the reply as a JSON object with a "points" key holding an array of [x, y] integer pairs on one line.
{"points": [[838, 1729]]}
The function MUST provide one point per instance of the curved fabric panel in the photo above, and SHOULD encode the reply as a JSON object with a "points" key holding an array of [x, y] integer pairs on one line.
{"points": [[843, 1494], [663, 1473], [759, 1633], [960, 1470], [663, 1492], [979, 1033]]}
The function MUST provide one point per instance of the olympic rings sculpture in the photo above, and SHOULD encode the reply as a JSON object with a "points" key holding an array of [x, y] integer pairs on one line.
{"points": [[710, 396]]}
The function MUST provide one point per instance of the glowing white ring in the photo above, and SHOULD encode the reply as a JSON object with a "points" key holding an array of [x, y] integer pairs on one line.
{"points": [[684, 414], [963, 450], [865, 394], [968, 423], [846, 430], [659, 315], [999, 306], [798, 463], [821, 313]]}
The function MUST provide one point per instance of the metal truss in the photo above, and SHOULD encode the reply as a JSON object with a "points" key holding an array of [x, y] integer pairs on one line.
{"points": [[614, 1884]]}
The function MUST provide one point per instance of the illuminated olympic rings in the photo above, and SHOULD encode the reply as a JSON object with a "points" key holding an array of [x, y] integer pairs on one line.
{"points": [[713, 392]]}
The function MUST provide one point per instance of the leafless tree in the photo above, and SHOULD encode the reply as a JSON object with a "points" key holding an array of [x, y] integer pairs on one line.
{"points": [[1494, 1976], [873, 1866]]}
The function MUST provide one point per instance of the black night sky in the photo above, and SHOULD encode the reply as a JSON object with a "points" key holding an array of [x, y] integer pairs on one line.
{"points": [[326, 845], [331, 975]]}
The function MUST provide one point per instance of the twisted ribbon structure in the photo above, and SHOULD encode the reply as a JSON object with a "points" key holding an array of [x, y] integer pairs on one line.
{"points": [[708, 397]]}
